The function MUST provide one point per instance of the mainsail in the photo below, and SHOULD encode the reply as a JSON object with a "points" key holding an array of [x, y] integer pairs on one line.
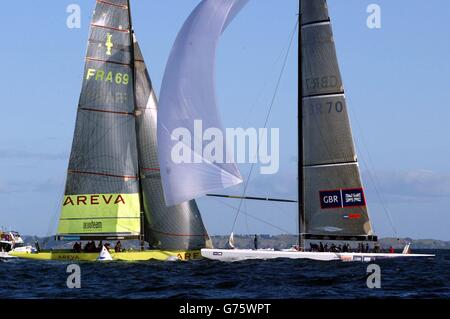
{"points": [[113, 171], [102, 188], [188, 103], [334, 202], [169, 228]]}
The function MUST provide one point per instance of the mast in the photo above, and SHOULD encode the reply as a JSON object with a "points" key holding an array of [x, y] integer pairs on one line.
{"points": [[301, 193], [136, 114]]}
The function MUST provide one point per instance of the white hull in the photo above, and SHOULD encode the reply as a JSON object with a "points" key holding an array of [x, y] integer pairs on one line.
{"points": [[245, 254], [4, 255]]}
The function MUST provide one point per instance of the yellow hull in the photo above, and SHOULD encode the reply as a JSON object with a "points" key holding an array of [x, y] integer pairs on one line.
{"points": [[123, 256]]}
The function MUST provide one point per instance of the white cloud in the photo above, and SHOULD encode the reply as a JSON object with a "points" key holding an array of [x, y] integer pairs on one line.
{"points": [[409, 185]]}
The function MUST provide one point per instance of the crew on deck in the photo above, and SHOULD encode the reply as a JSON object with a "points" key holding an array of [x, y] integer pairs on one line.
{"points": [[76, 247], [118, 247], [90, 247]]}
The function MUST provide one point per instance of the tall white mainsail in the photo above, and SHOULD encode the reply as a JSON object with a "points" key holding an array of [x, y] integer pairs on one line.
{"points": [[187, 97], [334, 200]]}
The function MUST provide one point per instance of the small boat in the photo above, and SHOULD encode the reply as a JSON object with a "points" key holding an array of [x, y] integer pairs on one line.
{"points": [[332, 207], [12, 242]]}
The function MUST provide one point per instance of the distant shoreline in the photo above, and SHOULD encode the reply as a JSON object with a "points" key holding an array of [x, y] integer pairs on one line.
{"points": [[266, 241]]}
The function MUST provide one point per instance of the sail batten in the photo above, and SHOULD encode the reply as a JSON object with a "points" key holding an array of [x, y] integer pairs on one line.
{"points": [[334, 197]]}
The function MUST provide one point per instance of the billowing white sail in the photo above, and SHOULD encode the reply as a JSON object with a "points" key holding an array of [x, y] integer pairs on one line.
{"points": [[188, 106]]}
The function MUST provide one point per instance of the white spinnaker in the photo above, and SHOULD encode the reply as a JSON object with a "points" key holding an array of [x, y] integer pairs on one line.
{"points": [[188, 95]]}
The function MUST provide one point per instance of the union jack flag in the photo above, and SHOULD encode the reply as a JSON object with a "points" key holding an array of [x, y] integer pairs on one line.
{"points": [[353, 198]]}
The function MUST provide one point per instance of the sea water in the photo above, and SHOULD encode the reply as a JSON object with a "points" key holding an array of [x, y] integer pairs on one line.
{"points": [[279, 279]]}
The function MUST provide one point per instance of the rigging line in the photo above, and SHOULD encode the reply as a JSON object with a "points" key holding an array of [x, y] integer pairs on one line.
{"points": [[366, 167], [373, 179], [254, 217], [380, 197], [268, 115], [254, 198], [282, 210], [56, 212], [263, 90], [246, 218]]}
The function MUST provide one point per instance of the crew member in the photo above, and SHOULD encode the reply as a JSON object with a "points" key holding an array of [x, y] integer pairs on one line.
{"points": [[118, 247]]}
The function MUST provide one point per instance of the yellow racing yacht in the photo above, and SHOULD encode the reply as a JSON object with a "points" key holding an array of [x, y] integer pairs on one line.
{"points": [[113, 188]]}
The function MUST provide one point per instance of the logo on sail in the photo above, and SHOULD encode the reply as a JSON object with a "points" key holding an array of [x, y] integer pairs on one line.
{"points": [[352, 216], [109, 44], [353, 198], [92, 225], [341, 198], [101, 199], [330, 199]]}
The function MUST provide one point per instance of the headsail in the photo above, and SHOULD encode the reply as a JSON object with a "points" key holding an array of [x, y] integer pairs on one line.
{"points": [[334, 200], [187, 95], [102, 189], [170, 228]]}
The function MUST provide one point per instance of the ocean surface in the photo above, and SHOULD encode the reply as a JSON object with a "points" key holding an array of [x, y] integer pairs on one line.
{"points": [[277, 279]]}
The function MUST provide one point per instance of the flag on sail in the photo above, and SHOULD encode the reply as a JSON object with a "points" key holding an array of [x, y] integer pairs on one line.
{"points": [[334, 197], [102, 187], [177, 227], [187, 99]]}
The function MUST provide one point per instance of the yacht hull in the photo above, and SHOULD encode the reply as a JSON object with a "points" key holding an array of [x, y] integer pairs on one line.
{"points": [[246, 254], [5, 256], [145, 255]]}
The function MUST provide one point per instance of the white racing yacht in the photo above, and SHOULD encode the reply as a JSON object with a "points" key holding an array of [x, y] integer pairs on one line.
{"points": [[332, 206], [332, 209]]}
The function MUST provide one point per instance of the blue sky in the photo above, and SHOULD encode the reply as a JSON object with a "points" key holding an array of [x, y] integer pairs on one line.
{"points": [[396, 81]]}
